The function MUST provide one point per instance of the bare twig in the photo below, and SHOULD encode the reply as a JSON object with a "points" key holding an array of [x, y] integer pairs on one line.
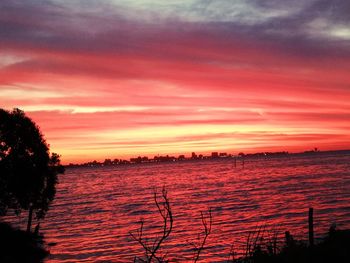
{"points": [[207, 231], [231, 256], [164, 210]]}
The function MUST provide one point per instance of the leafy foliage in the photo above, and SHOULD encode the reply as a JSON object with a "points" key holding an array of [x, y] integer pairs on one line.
{"points": [[28, 173]]}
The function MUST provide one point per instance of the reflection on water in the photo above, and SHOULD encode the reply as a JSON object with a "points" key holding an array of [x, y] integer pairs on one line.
{"points": [[96, 208]]}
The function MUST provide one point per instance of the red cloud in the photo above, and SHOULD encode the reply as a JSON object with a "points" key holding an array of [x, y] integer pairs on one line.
{"points": [[80, 80]]}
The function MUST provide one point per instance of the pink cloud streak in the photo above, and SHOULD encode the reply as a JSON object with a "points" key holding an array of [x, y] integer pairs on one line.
{"points": [[82, 80]]}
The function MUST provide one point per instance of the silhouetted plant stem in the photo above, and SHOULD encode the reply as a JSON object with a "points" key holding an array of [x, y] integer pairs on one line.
{"points": [[207, 231], [231, 256], [164, 210], [30, 216], [311, 227]]}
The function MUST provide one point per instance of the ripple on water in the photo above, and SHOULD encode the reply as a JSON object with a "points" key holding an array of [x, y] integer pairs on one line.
{"points": [[96, 208]]}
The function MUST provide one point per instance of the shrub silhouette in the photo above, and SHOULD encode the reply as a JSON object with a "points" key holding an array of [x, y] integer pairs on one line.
{"points": [[334, 247], [20, 246]]}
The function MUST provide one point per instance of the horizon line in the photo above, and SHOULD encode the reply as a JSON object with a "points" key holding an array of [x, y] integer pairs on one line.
{"points": [[204, 155]]}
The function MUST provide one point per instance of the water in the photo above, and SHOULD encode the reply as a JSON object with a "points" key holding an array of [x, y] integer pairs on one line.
{"points": [[96, 208]]}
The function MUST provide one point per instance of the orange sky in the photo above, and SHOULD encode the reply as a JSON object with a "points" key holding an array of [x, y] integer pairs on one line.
{"points": [[123, 78]]}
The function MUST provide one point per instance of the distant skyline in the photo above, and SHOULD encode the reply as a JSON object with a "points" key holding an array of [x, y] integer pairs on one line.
{"points": [[113, 79]]}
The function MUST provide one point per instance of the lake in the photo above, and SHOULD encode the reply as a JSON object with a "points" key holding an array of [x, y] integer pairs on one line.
{"points": [[96, 208]]}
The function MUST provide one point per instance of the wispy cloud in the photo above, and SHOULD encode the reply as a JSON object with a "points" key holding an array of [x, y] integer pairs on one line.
{"points": [[88, 69]]}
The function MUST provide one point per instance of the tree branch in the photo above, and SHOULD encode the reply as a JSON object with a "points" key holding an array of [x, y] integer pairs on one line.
{"points": [[207, 231], [165, 212]]}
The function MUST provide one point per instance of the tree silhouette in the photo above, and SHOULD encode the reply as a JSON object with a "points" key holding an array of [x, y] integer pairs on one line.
{"points": [[28, 173]]}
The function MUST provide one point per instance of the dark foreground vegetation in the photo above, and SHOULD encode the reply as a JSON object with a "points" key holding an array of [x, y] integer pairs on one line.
{"points": [[261, 246], [28, 178], [334, 247], [18, 246]]}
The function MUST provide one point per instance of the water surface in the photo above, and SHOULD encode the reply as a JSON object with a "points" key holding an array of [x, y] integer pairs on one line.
{"points": [[96, 208]]}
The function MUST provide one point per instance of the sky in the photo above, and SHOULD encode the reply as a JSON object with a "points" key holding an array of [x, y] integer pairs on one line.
{"points": [[122, 78]]}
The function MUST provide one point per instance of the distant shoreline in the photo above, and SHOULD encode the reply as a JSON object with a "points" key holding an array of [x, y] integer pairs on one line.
{"points": [[194, 158]]}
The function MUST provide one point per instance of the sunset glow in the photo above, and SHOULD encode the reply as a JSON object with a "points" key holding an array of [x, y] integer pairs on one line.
{"points": [[114, 79]]}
